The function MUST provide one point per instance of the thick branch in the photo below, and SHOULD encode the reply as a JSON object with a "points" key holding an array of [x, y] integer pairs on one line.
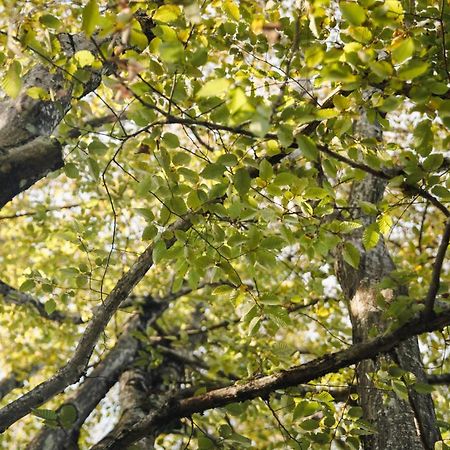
{"points": [[27, 153], [261, 387], [76, 366]]}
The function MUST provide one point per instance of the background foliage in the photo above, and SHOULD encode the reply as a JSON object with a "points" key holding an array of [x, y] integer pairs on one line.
{"points": [[231, 112]]}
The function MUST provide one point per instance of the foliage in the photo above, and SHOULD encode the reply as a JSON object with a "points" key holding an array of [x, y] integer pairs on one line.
{"points": [[241, 117]]}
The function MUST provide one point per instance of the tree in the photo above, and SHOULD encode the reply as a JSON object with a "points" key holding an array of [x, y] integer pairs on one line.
{"points": [[224, 224]]}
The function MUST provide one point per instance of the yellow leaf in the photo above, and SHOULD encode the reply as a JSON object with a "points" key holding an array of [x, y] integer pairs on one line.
{"points": [[12, 83], [232, 9]]}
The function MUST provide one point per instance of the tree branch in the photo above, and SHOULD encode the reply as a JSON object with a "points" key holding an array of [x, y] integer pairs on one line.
{"points": [[76, 366], [16, 297], [437, 268], [261, 387]]}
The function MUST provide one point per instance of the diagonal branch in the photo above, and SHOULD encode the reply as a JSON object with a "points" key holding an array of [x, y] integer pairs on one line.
{"points": [[261, 387], [76, 366]]}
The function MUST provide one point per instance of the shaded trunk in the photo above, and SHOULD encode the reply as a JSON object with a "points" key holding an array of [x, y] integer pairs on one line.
{"points": [[98, 383], [27, 153], [143, 393], [399, 423]]}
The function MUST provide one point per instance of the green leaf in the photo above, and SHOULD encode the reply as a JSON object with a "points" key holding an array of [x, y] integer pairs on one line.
{"points": [[355, 411], [50, 306], [242, 181], [351, 255], [310, 424], [265, 169], [423, 388], [171, 140], [353, 13], [433, 162], [307, 146], [402, 50], [150, 231], [50, 21], [412, 69], [442, 192], [159, 251], [12, 82], [371, 236], [305, 408], [228, 159], [214, 88], [84, 58], [71, 170], [27, 285], [178, 206], [171, 52], [213, 171], [91, 17], [147, 213], [68, 414], [46, 414]]}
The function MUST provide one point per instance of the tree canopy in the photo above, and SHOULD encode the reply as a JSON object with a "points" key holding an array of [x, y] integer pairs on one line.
{"points": [[224, 224]]}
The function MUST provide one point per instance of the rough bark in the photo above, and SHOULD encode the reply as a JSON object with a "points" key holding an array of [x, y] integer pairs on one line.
{"points": [[263, 386], [27, 153], [399, 423], [102, 378]]}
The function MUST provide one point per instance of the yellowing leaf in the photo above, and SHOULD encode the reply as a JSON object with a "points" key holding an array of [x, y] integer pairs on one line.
{"points": [[214, 88], [371, 236], [84, 58], [402, 50], [353, 13], [12, 83], [232, 9], [412, 69], [91, 17], [167, 13]]}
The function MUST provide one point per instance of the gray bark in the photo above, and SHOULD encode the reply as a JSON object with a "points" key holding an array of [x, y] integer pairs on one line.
{"points": [[77, 364], [27, 153], [176, 408], [399, 423], [100, 380]]}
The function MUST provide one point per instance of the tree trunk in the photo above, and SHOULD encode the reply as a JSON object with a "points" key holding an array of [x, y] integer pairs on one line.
{"points": [[400, 424], [27, 153]]}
